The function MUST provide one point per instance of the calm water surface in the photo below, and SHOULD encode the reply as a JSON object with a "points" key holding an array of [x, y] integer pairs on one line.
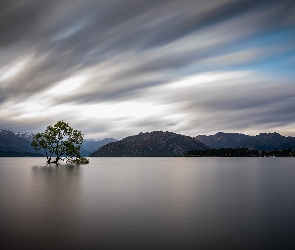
{"points": [[148, 203]]}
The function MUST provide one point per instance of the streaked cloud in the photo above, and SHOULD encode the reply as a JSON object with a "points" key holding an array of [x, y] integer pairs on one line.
{"points": [[118, 68]]}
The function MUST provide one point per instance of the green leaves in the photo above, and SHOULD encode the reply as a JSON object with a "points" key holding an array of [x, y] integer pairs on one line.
{"points": [[79, 160], [60, 140]]}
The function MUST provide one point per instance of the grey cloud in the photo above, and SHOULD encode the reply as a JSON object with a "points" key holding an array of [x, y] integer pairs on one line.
{"points": [[113, 28], [137, 38], [39, 75], [231, 107], [124, 26], [154, 123], [234, 95], [21, 19], [196, 20], [116, 94], [239, 98], [116, 22], [281, 112]]}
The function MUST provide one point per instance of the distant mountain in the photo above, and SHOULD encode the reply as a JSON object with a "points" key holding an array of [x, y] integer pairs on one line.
{"points": [[21, 142], [26, 136], [11, 142], [154, 144], [93, 145], [263, 141]]}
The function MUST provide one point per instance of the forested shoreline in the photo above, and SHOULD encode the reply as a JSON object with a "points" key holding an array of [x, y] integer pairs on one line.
{"points": [[239, 152]]}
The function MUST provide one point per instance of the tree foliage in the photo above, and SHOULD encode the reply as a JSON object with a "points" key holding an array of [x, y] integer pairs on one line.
{"points": [[60, 140]]}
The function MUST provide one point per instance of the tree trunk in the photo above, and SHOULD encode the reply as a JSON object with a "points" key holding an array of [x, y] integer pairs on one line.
{"points": [[56, 160]]}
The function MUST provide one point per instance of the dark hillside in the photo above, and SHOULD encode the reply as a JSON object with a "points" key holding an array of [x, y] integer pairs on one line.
{"points": [[261, 142], [154, 144], [11, 142]]}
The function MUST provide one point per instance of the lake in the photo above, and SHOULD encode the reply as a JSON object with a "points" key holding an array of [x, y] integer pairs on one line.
{"points": [[148, 203]]}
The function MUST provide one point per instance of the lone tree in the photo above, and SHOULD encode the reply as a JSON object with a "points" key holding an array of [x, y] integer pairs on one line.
{"points": [[60, 140]]}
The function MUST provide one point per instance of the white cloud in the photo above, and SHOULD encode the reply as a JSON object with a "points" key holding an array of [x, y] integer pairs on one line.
{"points": [[118, 70]]}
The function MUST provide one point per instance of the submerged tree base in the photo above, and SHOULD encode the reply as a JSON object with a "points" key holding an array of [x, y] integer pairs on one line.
{"points": [[78, 160]]}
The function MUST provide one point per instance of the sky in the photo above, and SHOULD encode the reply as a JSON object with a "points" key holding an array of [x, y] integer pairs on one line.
{"points": [[117, 68]]}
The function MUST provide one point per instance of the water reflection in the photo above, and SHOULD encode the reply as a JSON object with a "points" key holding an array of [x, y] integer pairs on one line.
{"points": [[148, 203], [57, 168], [43, 208]]}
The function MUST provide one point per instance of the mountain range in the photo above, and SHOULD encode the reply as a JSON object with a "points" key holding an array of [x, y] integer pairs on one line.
{"points": [[261, 142], [9, 141], [154, 144], [19, 144]]}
